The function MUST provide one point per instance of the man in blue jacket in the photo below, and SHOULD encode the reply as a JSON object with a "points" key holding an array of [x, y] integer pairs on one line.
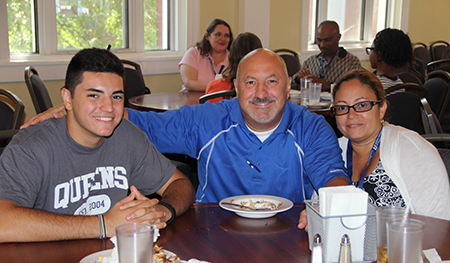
{"points": [[257, 143]]}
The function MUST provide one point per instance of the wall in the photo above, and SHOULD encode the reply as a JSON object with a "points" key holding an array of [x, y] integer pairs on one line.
{"points": [[285, 22]]}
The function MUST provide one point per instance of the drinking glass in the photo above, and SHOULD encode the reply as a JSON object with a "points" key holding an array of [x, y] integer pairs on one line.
{"points": [[135, 243]]}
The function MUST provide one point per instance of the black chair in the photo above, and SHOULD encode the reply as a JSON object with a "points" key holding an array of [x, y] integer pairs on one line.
{"points": [[409, 87], [444, 75], [134, 84], [441, 141], [442, 64], [410, 75], [11, 116], [445, 119], [421, 53], [38, 91], [406, 109], [226, 94], [438, 50], [291, 59], [438, 95]]}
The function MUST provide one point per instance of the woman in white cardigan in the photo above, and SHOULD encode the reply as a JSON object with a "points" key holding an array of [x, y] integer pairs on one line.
{"points": [[393, 164]]}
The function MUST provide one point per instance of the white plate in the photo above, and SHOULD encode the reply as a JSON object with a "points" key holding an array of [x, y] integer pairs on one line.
{"points": [[318, 105], [287, 204], [92, 258], [325, 96]]}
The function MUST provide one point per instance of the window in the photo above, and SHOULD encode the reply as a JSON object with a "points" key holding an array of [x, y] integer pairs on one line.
{"points": [[359, 21], [21, 26], [154, 33], [86, 23]]}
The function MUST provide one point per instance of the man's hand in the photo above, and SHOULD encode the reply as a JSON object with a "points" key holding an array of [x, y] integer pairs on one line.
{"points": [[303, 222], [303, 72], [326, 86], [55, 112], [135, 208]]}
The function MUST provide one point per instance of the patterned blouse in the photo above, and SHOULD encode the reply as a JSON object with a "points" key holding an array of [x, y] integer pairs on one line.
{"points": [[381, 189]]}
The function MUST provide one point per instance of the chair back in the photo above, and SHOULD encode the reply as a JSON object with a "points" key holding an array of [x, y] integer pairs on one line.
{"points": [[11, 115], [38, 91], [133, 81], [291, 60], [442, 64], [438, 50], [404, 109], [421, 52], [442, 142], [438, 95], [225, 94], [409, 87], [410, 75]]}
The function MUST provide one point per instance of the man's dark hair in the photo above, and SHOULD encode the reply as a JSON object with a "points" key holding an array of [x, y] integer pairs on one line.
{"points": [[332, 23], [393, 47], [91, 60]]}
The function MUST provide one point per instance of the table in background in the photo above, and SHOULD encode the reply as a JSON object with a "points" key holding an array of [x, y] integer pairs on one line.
{"points": [[164, 101], [210, 233]]}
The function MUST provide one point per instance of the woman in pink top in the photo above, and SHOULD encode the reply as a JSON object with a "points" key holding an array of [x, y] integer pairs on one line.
{"points": [[241, 46], [209, 57]]}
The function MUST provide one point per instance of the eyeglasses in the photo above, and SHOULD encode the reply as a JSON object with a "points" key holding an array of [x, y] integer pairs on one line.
{"points": [[368, 49], [362, 106], [219, 35]]}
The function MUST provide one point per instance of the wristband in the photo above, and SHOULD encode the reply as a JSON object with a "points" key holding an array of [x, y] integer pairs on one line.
{"points": [[170, 207], [102, 227]]}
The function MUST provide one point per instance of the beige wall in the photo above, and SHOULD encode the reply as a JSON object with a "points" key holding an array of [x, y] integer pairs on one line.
{"points": [[285, 16], [429, 20]]}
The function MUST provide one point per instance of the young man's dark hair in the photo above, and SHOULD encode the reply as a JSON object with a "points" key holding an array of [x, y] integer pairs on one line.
{"points": [[91, 60]]}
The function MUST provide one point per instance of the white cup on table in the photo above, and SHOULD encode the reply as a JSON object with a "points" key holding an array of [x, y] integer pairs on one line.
{"points": [[404, 238], [135, 242], [314, 92]]}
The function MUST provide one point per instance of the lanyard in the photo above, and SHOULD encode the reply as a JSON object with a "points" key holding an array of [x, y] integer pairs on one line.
{"points": [[322, 75], [374, 149], [212, 67]]}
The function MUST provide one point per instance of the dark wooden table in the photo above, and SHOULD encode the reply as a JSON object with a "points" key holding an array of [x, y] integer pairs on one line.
{"points": [[210, 233], [164, 101]]}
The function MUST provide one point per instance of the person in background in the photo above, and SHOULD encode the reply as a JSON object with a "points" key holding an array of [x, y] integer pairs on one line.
{"points": [[207, 60], [244, 43], [256, 143], [78, 176], [390, 49], [332, 62], [396, 166]]}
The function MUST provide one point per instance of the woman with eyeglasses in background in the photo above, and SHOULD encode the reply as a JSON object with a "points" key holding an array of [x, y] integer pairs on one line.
{"points": [[393, 164], [206, 61], [391, 49]]}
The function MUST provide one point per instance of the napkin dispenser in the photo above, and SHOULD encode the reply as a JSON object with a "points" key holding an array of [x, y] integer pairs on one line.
{"points": [[339, 211]]}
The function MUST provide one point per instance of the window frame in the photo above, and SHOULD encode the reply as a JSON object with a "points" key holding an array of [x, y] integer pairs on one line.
{"points": [[397, 18], [51, 64]]}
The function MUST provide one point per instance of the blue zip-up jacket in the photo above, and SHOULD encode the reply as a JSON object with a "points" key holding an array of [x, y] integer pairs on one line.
{"points": [[302, 153]]}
